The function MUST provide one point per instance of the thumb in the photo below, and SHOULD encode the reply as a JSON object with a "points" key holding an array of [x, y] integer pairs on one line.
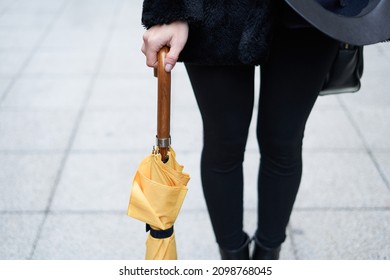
{"points": [[171, 59]]}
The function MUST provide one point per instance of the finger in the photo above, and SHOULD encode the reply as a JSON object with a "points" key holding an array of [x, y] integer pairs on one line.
{"points": [[149, 49], [151, 64], [151, 59], [171, 58], [151, 56]]}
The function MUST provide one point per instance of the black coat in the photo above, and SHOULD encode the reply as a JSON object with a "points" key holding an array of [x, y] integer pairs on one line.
{"points": [[223, 32]]}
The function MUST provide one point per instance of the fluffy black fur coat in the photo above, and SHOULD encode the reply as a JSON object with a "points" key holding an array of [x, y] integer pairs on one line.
{"points": [[226, 32]]}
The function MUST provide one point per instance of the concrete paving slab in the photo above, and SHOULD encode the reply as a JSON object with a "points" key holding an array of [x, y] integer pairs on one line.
{"points": [[375, 84], [126, 39], [26, 180], [71, 40], [96, 182], [4, 83], [194, 236], [287, 251], [17, 233], [11, 19], [35, 7], [86, 14], [115, 130], [91, 236], [47, 93], [11, 63], [34, 130], [130, 14], [331, 129], [374, 126], [186, 130], [5, 5], [376, 58], [124, 94], [19, 40], [341, 179], [117, 65], [327, 101], [342, 235], [373, 94], [383, 160], [55, 63]]}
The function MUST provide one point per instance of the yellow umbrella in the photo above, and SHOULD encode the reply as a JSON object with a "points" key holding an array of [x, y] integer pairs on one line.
{"points": [[159, 185], [157, 195]]}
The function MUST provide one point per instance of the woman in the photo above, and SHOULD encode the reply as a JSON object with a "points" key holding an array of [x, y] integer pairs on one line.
{"points": [[220, 42]]}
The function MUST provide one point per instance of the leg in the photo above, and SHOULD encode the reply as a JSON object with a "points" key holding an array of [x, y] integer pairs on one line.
{"points": [[290, 83], [225, 98]]}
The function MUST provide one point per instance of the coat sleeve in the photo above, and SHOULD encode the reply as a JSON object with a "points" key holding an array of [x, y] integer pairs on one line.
{"points": [[166, 11]]}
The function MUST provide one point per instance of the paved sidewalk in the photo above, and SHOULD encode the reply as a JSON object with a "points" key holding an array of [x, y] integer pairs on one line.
{"points": [[78, 113]]}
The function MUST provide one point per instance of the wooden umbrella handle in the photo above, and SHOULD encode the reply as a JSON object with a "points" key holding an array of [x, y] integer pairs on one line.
{"points": [[163, 105]]}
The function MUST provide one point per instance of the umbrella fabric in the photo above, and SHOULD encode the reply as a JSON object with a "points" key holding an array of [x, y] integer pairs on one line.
{"points": [[157, 194]]}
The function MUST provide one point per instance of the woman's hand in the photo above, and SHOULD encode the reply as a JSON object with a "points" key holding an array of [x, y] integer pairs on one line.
{"points": [[173, 35]]}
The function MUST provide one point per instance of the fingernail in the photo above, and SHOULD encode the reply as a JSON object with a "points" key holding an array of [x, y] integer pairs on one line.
{"points": [[168, 67]]}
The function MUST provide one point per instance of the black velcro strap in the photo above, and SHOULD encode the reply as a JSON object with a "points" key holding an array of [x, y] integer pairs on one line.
{"points": [[159, 234]]}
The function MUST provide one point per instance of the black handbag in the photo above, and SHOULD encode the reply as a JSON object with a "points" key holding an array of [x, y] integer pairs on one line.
{"points": [[346, 71]]}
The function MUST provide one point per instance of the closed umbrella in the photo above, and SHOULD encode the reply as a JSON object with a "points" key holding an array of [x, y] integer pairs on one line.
{"points": [[159, 185]]}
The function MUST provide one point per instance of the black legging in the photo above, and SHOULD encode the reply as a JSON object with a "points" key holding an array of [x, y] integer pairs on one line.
{"points": [[290, 82]]}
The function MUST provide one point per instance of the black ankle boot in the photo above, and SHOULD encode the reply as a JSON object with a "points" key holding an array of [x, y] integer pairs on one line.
{"points": [[241, 253], [263, 253]]}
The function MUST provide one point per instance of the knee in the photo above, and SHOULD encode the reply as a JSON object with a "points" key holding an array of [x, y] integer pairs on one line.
{"points": [[224, 155], [280, 142], [282, 155]]}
